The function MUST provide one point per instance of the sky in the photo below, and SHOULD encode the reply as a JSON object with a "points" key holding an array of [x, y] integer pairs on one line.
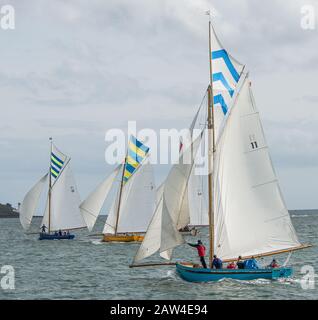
{"points": [[74, 69]]}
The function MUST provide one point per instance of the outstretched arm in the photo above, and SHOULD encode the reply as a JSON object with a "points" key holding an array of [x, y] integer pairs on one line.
{"points": [[192, 245]]}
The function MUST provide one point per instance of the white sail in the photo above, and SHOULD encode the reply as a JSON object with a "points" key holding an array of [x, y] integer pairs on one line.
{"points": [[175, 213], [152, 238], [30, 202], [92, 205], [250, 214], [197, 191], [137, 203], [172, 211], [65, 201]]}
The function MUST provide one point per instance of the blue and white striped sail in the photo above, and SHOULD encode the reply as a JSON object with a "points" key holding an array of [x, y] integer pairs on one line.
{"points": [[58, 161], [226, 74]]}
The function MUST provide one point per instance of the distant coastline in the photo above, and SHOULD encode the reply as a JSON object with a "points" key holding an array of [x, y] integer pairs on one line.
{"points": [[7, 211]]}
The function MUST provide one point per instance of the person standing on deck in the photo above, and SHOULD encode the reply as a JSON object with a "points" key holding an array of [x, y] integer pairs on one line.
{"points": [[43, 228], [201, 251]]}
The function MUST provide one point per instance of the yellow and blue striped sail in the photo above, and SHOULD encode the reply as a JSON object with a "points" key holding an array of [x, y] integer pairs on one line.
{"points": [[136, 153], [58, 160]]}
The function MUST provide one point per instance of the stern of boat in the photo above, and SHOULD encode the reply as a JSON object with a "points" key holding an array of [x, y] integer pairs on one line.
{"points": [[122, 238]]}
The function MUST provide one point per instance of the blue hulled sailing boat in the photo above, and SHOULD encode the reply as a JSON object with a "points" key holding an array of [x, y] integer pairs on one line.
{"points": [[246, 211]]}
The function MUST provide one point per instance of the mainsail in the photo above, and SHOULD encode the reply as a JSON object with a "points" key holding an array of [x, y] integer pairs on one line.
{"points": [[251, 217], [30, 202], [64, 213], [137, 203]]}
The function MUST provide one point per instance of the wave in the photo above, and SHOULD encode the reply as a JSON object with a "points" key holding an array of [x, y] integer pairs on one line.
{"points": [[300, 215]]}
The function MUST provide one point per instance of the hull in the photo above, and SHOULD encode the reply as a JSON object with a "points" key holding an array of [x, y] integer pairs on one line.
{"points": [[46, 236], [122, 238], [189, 273]]}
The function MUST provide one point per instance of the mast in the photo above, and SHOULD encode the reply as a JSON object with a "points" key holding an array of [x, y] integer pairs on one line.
{"points": [[49, 198], [211, 151], [120, 194]]}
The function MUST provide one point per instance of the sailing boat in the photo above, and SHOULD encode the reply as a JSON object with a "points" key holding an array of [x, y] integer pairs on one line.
{"points": [[133, 205], [246, 211], [62, 208]]}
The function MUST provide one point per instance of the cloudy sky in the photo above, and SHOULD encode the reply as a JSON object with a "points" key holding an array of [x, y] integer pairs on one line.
{"points": [[73, 69]]}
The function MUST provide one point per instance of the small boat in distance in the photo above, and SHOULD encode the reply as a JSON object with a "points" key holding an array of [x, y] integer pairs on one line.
{"points": [[189, 231], [133, 205], [247, 215], [62, 212]]}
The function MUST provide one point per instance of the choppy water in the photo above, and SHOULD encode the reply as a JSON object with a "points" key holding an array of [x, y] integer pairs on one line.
{"points": [[87, 269]]}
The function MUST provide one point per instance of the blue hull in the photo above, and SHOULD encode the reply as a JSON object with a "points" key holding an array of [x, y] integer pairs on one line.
{"points": [[207, 275], [46, 236]]}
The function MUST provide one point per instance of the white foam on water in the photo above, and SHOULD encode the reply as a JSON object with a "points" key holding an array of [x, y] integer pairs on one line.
{"points": [[299, 215], [96, 242]]}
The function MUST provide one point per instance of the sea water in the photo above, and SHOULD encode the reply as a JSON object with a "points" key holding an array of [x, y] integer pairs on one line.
{"points": [[85, 268]]}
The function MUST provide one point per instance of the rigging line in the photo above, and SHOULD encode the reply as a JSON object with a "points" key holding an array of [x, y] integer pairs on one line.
{"points": [[264, 183]]}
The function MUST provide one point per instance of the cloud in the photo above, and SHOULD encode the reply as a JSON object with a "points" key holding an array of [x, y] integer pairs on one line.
{"points": [[73, 69]]}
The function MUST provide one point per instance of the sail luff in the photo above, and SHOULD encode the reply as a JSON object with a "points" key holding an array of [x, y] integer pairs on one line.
{"points": [[120, 194], [211, 127], [50, 187]]}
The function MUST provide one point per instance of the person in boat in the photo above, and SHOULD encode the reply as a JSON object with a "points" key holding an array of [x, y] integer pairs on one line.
{"points": [[240, 263], [273, 264], [250, 264], [201, 251], [60, 232], [231, 265], [43, 228], [217, 263], [185, 229]]}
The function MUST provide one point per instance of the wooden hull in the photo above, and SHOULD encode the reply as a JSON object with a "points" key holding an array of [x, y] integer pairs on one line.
{"points": [[47, 236], [188, 273], [122, 238]]}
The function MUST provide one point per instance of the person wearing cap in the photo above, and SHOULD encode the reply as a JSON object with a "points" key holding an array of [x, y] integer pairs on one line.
{"points": [[201, 251]]}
